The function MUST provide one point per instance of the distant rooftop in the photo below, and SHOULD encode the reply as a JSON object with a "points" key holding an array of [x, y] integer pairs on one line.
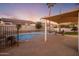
{"points": [[16, 21]]}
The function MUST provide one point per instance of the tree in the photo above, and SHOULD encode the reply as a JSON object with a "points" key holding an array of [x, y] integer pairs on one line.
{"points": [[74, 29], [38, 25], [49, 6], [18, 26]]}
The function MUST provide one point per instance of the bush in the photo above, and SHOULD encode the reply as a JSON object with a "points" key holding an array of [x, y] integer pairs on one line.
{"points": [[74, 29], [38, 25]]}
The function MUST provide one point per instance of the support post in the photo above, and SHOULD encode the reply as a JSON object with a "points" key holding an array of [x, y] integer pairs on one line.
{"points": [[59, 28], [45, 31]]}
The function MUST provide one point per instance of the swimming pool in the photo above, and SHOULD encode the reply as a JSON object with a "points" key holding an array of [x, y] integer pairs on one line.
{"points": [[28, 36]]}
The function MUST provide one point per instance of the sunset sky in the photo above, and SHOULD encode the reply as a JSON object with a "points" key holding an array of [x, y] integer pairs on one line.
{"points": [[31, 11]]}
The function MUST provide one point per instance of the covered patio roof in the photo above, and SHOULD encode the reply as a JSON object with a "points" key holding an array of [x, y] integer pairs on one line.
{"points": [[65, 17]]}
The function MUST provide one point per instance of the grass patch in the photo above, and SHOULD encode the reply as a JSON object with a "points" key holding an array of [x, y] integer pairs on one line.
{"points": [[71, 33]]}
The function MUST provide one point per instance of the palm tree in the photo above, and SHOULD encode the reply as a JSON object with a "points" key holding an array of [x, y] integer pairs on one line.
{"points": [[18, 26], [49, 7]]}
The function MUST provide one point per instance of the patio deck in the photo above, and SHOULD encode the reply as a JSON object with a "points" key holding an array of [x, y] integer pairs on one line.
{"points": [[57, 45]]}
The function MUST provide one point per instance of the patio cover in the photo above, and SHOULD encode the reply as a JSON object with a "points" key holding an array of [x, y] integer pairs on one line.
{"points": [[65, 17]]}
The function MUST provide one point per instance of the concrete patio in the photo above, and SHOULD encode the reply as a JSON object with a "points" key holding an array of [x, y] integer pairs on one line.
{"points": [[57, 45]]}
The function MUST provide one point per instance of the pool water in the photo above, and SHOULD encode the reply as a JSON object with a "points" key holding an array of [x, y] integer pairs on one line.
{"points": [[27, 36]]}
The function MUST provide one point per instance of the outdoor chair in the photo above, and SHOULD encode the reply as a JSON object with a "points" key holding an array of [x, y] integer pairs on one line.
{"points": [[10, 41], [61, 32]]}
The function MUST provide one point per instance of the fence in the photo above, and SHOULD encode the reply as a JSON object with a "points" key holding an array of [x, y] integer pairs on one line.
{"points": [[6, 31]]}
